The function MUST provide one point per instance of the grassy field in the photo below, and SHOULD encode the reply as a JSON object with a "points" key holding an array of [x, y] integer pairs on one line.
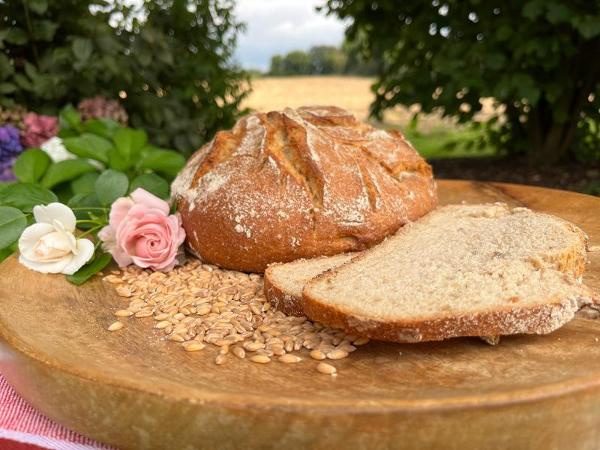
{"points": [[354, 94]]}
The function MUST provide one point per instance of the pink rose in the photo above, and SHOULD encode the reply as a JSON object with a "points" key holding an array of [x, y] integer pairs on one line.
{"points": [[141, 231], [38, 129]]}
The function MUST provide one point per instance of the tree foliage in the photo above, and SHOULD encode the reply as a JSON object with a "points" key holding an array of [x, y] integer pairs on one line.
{"points": [[322, 60], [168, 60], [539, 60]]}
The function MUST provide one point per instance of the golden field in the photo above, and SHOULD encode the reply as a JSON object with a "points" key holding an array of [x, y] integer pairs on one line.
{"points": [[351, 93]]}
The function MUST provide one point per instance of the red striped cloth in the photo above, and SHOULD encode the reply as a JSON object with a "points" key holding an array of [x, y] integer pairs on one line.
{"points": [[24, 428]]}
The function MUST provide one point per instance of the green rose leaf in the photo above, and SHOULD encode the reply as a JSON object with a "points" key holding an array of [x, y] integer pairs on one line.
{"points": [[6, 252], [31, 165], [69, 118], [111, 185], [89, 146], [12, 224], [100, 261], [152, 183], [129, 142], [65, 171], [85, 184], [25, 196], [163, 161], [102, 127], [80, 202], [116, 160]]}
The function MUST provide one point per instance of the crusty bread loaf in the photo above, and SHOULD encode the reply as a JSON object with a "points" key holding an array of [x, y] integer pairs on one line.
{"points": [[284, 282], [463, 270], [298, 184]]}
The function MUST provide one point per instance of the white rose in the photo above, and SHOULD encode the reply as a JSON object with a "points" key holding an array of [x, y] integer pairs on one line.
{"points": [[49, 246], [57, 152]]}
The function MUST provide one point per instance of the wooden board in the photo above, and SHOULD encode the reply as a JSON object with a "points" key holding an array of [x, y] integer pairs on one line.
{"points": [[134, 390]]}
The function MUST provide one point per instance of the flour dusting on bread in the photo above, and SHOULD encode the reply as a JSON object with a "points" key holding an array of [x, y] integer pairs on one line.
{"points": [[315, 176]]}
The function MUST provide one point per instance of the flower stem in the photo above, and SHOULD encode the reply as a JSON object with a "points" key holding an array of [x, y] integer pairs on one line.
{"points": [[90, 221], [90, 231]]}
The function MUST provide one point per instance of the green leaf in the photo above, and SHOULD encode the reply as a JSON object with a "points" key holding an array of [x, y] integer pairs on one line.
{"points": [[82, 49], [16, 36], [6, 252], [557, 13], [83, 200], [152, 183], [168, 162], [23, 82], [44, 30], [69, 118], [588, 26], [79, 201], [102, 127], [89, 146], [532, 9], [85, 184], [38, 6], [12, 224], [31, 165], [100, 261], [129, 142], [111, 185], [116, 160], [7, 88], [65, 171], [25, 196]]}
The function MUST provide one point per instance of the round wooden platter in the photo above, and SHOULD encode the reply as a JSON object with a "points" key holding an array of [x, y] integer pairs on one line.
{"points": [[133, 389]]}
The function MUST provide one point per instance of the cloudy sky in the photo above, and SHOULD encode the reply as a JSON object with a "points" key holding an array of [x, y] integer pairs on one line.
{"points": [[279, 26]]}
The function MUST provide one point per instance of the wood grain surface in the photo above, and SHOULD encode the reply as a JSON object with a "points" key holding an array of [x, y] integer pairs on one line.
{"points": [[133, 389]]}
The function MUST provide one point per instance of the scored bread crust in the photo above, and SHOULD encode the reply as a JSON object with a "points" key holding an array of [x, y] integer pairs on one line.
{"points": [[300, 183], [539, 319]]}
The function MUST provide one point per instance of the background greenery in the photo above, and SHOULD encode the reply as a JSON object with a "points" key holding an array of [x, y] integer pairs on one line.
{"points": [[168, 60], [538, 59], [323, 60]]}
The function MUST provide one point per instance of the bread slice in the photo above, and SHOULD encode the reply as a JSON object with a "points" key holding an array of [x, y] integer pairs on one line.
{"points": [[462, 270], [284, 282]]}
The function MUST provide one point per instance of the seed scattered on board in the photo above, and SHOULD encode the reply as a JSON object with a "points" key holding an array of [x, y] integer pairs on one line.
{"points": [[115, 326], [197, 305], [327, 369]]}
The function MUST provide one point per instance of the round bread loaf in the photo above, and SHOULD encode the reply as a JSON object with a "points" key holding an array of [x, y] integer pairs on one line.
{"points": [[297, 184]]}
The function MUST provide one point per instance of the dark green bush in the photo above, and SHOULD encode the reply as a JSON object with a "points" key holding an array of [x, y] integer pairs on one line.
{"points": [[539, 60], [168, 60]]}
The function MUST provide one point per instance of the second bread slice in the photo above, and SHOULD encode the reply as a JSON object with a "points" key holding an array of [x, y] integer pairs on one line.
{"points": [[463, 270], [284, 282]]}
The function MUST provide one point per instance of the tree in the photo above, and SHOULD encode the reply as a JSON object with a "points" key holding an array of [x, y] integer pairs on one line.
{"points": [[297, 63], [323, 60], [168, 60], [539, 60], [276, 65], [326, 60]]}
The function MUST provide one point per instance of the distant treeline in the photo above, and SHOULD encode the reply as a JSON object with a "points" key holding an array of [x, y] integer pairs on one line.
{"points": [[322, 60]]}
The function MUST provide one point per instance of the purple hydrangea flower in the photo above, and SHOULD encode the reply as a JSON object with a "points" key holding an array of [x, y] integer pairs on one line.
{"points": [[10, 144], [6, 170], [10, 147]]}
